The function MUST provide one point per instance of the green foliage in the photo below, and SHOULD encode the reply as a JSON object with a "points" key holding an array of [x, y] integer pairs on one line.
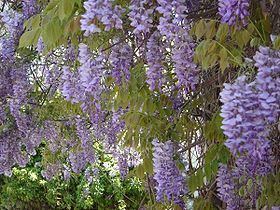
{"points": [[213, 131], [219, 49], [222, 45], [27, 189], [202, 203], [270, 191], [55, 25]]}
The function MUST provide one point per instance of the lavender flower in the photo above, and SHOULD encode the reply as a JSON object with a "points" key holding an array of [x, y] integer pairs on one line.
{"points": [[140, 17], [268, 82], [71, 88], [121, 60], [170, 182], [248, 110], [103, 11], [243, 123], [40, 45], [228, 190], [172, 17], [233, 11], [182, 56], [155, 59], [91, 72], [14, 24], [51, 170], [86, 140], [52, 136], [29, 8], [77, 159], [123, 165], [66, 174]]}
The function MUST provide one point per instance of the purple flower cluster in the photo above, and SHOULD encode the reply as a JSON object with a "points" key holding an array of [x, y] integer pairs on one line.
{"points": [[228, 190], [248, 109], [86, 141], [113, 127], [122, 165], [10, 152], [20, 139], [127, 158], [14, 25], [231, 181], [91, 71], [182, 56], [121, 59], [102, 11], [141, 18], [29, 8], [85, 85], [155, 59], [268, 82], [71, 88], [77, 159], [40, 45], [51, 169], [52, 137], [21, 88], [233, 11], [70, 54], [170, 182], [172, 16], [243, 123]]}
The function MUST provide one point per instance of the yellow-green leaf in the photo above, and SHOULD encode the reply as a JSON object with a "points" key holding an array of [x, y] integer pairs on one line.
{"points": [[65, 9], [200, 29], [29, 38], [222, 32], [223, 59], [210, 29]]}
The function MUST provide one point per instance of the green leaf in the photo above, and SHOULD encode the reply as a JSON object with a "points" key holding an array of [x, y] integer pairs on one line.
{"points": [[29, 38], [52, 32], [222, 32], [223, 59], [192, 183], [276, 43], [33, 22], [52, 4], [255, 42], [200, 29], [250, 183], [212, 129], [242, 38], [196, 180], [241, 191], [65, 9], [210, 29]]}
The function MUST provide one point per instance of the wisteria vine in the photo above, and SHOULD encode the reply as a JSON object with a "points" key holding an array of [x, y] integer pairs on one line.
{"points": [[123, 78]]}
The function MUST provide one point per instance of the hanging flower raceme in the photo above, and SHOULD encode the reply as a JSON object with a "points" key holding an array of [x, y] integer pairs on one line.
{"points": [[268, 82], [170, 182], [140, 17], [233, 11], [86, 141], [228, 190], [102, 11], [155, 59], [248, 111], [243, 123], [121, 59], [29, 8], [186, 70], [173, 17], [91, 71]]}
